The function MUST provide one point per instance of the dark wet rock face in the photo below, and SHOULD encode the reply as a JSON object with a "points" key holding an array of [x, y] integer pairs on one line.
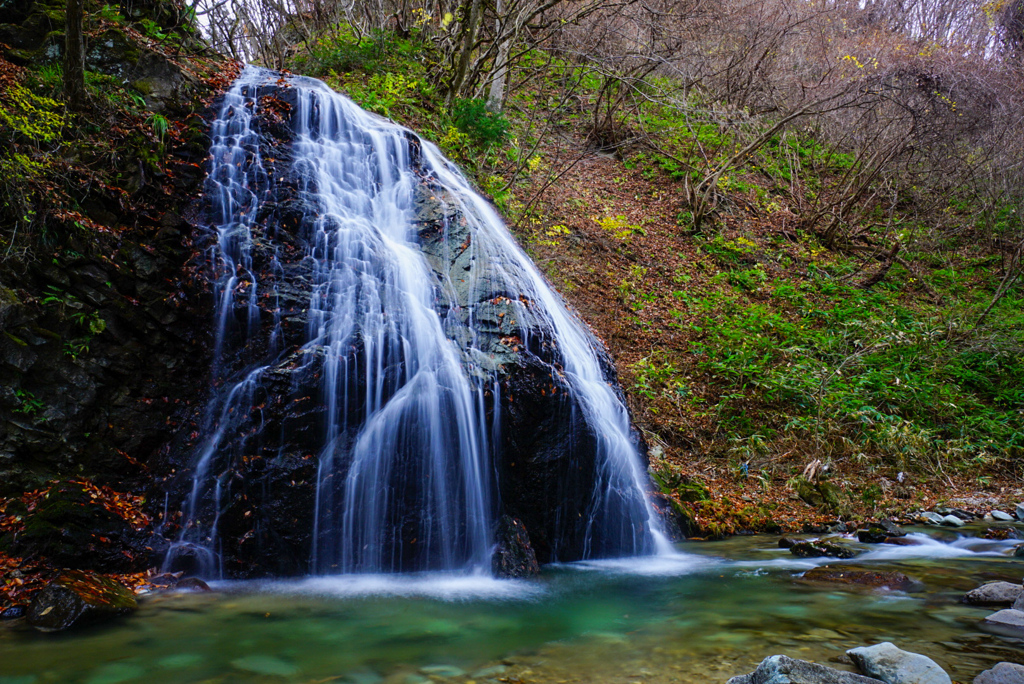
{"points": [[71, 530], [78, 598], [104, 341]]}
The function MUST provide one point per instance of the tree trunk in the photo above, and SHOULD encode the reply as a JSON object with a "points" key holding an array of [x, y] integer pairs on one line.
{"points": [[74, 56], [496, 95], [467, 50]]}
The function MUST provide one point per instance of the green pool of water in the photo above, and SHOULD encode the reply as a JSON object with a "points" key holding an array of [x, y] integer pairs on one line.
{"points": [[713, 612]]}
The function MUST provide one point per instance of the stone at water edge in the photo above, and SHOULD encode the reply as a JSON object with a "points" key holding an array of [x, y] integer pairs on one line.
{"points": [[953, 521], [513, 556], [77, 597], [1001, 516], [929, 517], [780, 669], [878, 532], [1020, 511], [895, 666], [1018, 604], [1003, 673], [1007, 619], [994, 594]]}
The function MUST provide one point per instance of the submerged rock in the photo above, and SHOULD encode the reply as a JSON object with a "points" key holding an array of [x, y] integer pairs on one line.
{"points": [[818, 549], [1003, 673], [780, 669], [265, 665], [894, 581], [76, 598], [1008, 619], [994, 594], [895, 666]]}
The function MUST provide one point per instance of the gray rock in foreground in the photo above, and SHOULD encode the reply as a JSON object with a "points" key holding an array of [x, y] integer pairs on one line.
{"points": [[780, 669], [1001, 516], [953, 521], [1020, 511], [1007, 619], [1003, 673], [895, 666], [994, 594]]}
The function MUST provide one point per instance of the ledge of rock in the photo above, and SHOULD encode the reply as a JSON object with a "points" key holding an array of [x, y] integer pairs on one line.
{"points": [[76, 598], [780, 669], [896, 666], [994, 594]]}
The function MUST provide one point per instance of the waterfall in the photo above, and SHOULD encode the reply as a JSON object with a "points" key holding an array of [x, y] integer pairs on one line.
{"points": [[372, 314]]}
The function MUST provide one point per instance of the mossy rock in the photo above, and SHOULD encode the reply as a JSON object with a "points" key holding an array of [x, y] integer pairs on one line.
{"points": [[76, 598]]}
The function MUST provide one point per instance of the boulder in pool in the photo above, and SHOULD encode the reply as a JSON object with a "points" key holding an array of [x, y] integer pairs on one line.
{"points": [[1003, 673], [896, 666], [780, 669], [994, 594], [76, 598], [894, 581]]}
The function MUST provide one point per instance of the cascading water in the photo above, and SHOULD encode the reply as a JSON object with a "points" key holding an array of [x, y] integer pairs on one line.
{"points": [[372, 316]]}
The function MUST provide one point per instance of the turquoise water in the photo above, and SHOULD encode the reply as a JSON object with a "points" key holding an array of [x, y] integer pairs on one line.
{"points": [[714, 611]]}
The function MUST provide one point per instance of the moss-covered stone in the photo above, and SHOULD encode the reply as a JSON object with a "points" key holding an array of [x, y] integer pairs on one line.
{"points": [[76, 598]]}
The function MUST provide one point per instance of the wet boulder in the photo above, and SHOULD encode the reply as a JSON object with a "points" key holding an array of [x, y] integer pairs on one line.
{"points": [[895, 666], [819, 549], [513, 555], [994, 594], [879, 532], [76, 598], [780, 669]]}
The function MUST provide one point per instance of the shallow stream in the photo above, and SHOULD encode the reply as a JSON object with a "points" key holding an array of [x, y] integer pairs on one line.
{"points": [[711, 612]]}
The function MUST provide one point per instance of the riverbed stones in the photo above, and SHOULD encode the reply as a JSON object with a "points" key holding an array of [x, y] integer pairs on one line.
{"points": [[1001, 516], [896, 666], [952, 521], [76, 598], [1003, 673], [1019, 511], [994, 594], [780, 669]]}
